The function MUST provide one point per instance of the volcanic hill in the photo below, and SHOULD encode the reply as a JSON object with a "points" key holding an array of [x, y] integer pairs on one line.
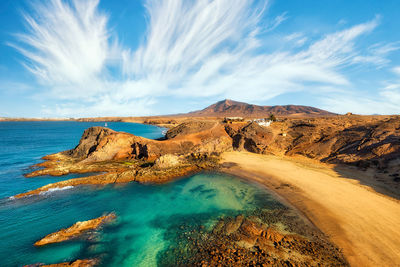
{"points": [[229, 107]]}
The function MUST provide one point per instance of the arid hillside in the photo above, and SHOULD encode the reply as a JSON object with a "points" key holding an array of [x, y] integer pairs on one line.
{"points": [[234, 108]]}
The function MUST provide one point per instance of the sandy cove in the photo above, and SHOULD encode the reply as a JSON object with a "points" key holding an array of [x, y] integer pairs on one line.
{"points": [[364, 223]]}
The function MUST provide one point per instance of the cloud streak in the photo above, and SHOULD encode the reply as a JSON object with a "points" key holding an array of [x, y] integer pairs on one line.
{"points": [[207, 49], [65, 44]]}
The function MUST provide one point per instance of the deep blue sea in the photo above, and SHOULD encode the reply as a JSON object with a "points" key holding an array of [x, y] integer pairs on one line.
{"points": [[145, 212]]}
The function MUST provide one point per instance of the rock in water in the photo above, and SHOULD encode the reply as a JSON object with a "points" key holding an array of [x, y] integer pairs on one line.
{"points": [[75, 230]]}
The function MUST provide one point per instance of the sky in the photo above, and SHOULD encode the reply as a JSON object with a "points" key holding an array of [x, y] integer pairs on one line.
{"points": [[86, 58]]}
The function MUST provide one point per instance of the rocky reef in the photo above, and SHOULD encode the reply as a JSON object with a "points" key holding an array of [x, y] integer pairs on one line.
{"points": [[76, 230], [75, 263], [261, 238]]}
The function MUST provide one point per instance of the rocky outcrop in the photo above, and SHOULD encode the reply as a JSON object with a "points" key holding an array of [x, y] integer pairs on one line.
{"points": [[252, 137], [75, 263], [102, 144], [122, 157], [340, 140], [89, 141], [189, 128], [167, 161], [75, 230], [362, 141]]}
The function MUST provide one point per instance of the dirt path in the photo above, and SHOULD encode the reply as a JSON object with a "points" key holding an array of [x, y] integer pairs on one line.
{"points": [[365, 224]]}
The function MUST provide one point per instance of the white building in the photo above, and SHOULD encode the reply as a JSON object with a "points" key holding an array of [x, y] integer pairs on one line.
{"points": [[263, 122]]}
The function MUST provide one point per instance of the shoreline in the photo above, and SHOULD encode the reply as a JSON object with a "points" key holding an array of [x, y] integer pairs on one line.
{"points": [[350, 205], [355, 217]]}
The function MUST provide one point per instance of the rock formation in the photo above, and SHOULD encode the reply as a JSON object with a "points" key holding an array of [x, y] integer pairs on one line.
{"points": [[75, 263], [365, 142], [75, 230], [122, 157], [251, 241]]}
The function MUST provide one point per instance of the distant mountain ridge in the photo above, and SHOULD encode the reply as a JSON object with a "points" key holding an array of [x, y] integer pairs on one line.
{"points": [[229, 107]]}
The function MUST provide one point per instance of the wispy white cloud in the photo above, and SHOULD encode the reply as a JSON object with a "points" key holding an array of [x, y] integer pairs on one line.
{"points": [[205, 48], [396, 70], [278, 20], [391, 92], [184, 61], [103, 107], [377, 54], [385, 101], [297, 38], [359, 104], [65, 44]]}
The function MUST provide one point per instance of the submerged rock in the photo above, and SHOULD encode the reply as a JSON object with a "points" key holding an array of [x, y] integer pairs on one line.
{"points": [[248, 241]]}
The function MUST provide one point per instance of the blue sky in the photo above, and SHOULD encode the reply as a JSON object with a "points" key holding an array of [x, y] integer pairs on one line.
{"points": [[61, 58]]}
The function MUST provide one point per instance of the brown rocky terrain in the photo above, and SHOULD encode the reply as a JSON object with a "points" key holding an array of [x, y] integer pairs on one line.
{"points": [[123, 157], [369, 145], [265, 238], [75, 230], [75, 263]]}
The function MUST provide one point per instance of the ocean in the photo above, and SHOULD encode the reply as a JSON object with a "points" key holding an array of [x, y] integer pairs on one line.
{"points": [[147, 215]]}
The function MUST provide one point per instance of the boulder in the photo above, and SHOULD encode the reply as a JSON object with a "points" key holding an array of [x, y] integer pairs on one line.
{"points": [[167, 161]]}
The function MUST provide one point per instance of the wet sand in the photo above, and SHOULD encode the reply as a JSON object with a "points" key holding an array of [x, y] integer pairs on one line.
{"points": [[361, 221]]}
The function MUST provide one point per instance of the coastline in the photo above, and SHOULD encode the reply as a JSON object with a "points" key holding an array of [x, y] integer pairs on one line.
{"points": [[359, 220], [349, 204]]}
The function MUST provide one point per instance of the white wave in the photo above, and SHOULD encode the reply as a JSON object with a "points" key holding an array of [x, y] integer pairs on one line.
{"points": [[51, 190]]}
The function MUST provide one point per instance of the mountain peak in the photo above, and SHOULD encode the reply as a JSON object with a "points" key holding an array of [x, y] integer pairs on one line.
{"points": [[228, 107], [228, 102]]}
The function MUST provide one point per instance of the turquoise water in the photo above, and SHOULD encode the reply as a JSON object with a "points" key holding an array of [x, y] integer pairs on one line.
{"points": [[145, 212]]}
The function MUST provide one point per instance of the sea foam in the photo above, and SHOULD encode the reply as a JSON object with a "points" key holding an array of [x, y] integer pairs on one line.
{"points": [[51, 190]]}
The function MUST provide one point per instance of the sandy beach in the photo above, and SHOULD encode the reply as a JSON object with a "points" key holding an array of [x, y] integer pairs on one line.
{"points": [[361, 221]]}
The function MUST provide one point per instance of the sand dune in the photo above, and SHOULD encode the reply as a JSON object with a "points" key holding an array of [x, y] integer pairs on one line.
{"points": [[364, 223]]}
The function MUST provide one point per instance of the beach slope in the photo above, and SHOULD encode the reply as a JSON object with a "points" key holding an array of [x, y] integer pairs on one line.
{"points": [[364, 223]]}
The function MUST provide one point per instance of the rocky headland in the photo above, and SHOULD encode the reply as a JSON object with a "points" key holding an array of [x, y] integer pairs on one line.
{"points": [[122, 157]]}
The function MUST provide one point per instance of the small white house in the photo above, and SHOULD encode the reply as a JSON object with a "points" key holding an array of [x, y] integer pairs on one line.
{"points": [[263, 122]]}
